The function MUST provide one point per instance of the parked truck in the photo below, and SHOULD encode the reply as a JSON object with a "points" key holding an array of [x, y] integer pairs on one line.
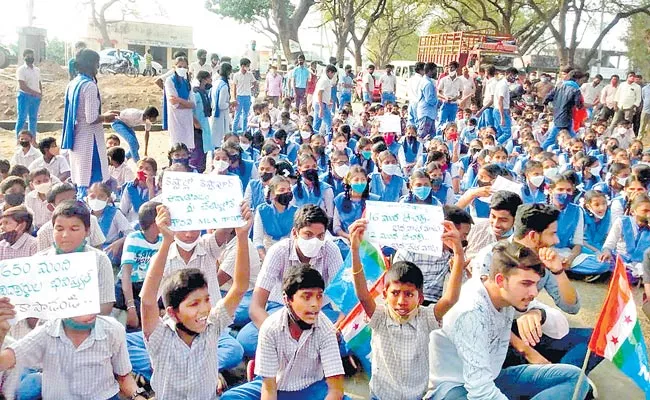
{"points": [[7, 57], [469, 48]]}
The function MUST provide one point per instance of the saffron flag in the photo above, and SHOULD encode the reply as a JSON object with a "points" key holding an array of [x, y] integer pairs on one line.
{"points": [[617, 335]]}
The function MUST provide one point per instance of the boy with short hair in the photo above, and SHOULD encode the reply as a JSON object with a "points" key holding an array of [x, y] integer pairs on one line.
{"points": [[36, 200], [401, 327], [4, 168], [16, 240], [298, 356], [13, 191], [118, 168], [128, 120], [51, 159], [183, 346], [243, 83], [25, 154]]}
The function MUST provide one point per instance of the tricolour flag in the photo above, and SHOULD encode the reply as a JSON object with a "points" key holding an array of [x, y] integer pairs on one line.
{"points": [[617, 335]]}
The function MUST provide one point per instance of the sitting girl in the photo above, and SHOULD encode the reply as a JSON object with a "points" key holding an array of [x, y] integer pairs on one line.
{"points": [[140, 190], [440, 190], [112, 222], [363, 155], [245, 169], [317, 145], [621, 204], [478, 198], [570, 222], [420, 190], [410, 150], [388, 183], [339, 166], [255, 193], [597, 222], [309, 189], [532, 192], [274, 217]]}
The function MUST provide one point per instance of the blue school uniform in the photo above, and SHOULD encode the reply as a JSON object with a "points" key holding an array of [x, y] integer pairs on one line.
{"points": [[308, 196], [410, 150], [323, 163], [479, 209], [276, 224], [391, 191], [244, 171], [394, 148], [137, 195], [595, 233], [442, 193], [567, 223], [411, 199], [637, 240], [368, 165], [257, 193], [334, 182], [355, 212], [252, 154], [588, 184], [291, 151], [528, 197]]}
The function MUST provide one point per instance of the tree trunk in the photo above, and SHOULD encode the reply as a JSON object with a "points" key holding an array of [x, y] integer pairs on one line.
{"points": [[358, 45], [103, 29]]}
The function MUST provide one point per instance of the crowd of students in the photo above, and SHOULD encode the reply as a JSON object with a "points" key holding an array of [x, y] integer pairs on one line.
{"points": [[193, 305]]}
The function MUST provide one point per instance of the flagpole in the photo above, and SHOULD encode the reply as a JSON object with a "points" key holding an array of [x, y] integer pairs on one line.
{"points": [[582, 375]]}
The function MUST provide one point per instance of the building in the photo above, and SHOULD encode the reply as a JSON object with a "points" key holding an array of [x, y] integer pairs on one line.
{"points": [[163, 40]]}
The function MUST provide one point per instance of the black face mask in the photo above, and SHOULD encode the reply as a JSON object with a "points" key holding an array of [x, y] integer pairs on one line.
{"points": [[284, 199], [24, 143], [464, 243], [29, 60], [179, 325], [293, 317], [482, 184], [14, 199], [265, 177], [319, 150], [410, 139], [311, 175]]}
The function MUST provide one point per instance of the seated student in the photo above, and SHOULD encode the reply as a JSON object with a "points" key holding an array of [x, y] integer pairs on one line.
{"points": [[287, 148], [363, 155], [467, 353], [420, 191], [55, 163], [410, 150], [249, 152], [13, 192], [184, 347], [264, 130], [274, 217], [286, 124], [340, 142], [401, 326], [245, 169], [620, 205], [220, 162], [113, 223], [469, 132], [317, 144], [139, 247], [309, 189], [304, 135], [128, 120], [597, 223], [306, 244], [58, 194], [36, 200], [390, 139], [388, 183], [25, 154], [629, 236], [95, 341], [112, 141], [298, 354], [533, 189], [255, 193], [118, 168], [4, 169], [16, 239], [440, 190], [338, 168], [140, 190], [590, 169], [477, 198]]}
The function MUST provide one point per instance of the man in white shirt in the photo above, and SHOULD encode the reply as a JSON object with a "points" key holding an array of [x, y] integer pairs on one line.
{"points": [[485, 113], [501, 104], [322, 100], [30, 91], [413, 91], [243, 82], [628, 100], [469, 88], [591, 93], [200, 65], [608, 98], [125, 123], [450, 90], [254, 56], [388, 85], [368, 83]]}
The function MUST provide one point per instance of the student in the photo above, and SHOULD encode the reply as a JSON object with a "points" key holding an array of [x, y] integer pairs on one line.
{"points": [[286, 124], [363, 155], [309, 189], [36, 199], [597, 223], [287, 148], [477, 198], [183, 346], [256, 191], [30, 92], [179, 105], [113, 223], [55, 163], [388, 183], [140, 190], [248, 151], [410, 150], [440, 190], [533, 189], [243, 83], [202, 113], [274, 217], [220, 95], [420, 190], [589, 172], [245, 169], [119, 170], [284, 369], [337, 170], [125, 124], [306, 244], [25, 154], [620, 205], [402, 325], [13, 191], [317, 143], [16, 227], [139, 247]]}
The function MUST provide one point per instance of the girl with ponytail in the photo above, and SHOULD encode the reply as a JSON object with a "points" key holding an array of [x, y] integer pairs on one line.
{"points": [[309, 189]]}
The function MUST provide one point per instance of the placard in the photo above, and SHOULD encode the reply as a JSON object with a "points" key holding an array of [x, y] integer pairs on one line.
{"points": [[502, 183], [59, 286], [390, 123], [412, 227], [202, 201]]}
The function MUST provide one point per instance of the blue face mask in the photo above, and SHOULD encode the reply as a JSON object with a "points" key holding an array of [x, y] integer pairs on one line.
{"points": [[501, 164], [184, 161], [508, 233], [562, 199], [436, 182], [366, 154], [78, 326], [359, 187], [422, 192]]}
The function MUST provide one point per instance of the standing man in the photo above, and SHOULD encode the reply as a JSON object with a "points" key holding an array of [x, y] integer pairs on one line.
{"points": [[388, 85], [413, 91], [608, 98], [469, 89], [30, 91], [486, 111], [542, 89], [591, 93], [644, 126], [427, 104], [346, 84], [148, 61], [335, 84], [501, 104], [449, 91], [254, 56], [322, 100], [300, 78], [72, 65], [214, 63], [628, 99], [199, 65], [243, 82], [368, 83], [274, 85], [564, 98]]}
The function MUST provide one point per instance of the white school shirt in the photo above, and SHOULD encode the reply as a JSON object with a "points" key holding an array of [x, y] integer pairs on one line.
{"points": [[244, 83], [39, 208], [134, 117], [229, 259], [414, 88], [57, 166], [46, 239], [488, 90], [388, 83], [368, 81], [501, 89], [450, 88], [25, 159], [325, 85], [31, 76]]}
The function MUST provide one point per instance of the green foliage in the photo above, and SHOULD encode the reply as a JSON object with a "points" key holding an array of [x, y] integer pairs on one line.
{"points": [[56, 51], [638, 44], [245, 11]]}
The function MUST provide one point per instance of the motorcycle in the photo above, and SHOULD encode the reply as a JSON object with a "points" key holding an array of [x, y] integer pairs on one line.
{"points": [[119, 67]]}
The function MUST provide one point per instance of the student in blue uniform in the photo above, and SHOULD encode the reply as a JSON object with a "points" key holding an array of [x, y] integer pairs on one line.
{"points": [[248, 151], [620, 205], [319, 148], [570, 222], [274, 217], [255, 193], [388, 183], [478, 197], [533, 189], [363, 155], [140, 190], [390, 138], [245, 169], [340, 143], [288, 148], [303, 135], [410, 150], [338, 168], [614, 183], [309, 189], [112, 222], [590, 172], [440, 190], [420, 190]]}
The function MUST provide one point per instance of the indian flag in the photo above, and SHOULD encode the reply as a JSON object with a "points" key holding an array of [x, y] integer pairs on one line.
{"points": [[617, 335]]}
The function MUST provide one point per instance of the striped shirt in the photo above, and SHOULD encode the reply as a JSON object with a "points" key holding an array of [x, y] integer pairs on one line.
{"points": [[435, 270], [229, 258], [25, 246], [186, 372], [297, 364], [282, 255], [38, 207], [138, 252], [46, 239], [83, 372]]}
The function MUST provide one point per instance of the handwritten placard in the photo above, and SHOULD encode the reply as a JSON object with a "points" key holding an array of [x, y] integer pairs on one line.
{"points": [[411, 227], [200, 201], [59, 286], [390, 123], [502, 183]]}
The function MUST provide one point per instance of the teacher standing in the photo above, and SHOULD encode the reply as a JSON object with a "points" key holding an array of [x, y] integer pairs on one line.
{"points": [[83, 133], [220, 95]]}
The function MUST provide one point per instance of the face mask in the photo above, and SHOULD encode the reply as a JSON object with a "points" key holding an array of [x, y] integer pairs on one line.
{"points": [[410, 139], [595, 171], [389, 139], [436, 181], [537, 180], [562, 199], [245, 146], [598, 216], [187, 246], [265, 177], [390, 169], [221, 165], [305, 134], [621, 131], [342, 170], [340, 146], [367, 154], [77, 326], [320, 150], [96, 204], [359, 187], [501, 164], [452, 74], [310, 247], [43, 188], [10, 237], [550, 173], [591, 143], [621, 181], [182, 72], [184, 161], [29, 60], [483, 183], [294, 317], [284, 199], [265, 125], [24, 143], [401, 319], [311, 175], [508, 233], [14, 199], [422, 192]]}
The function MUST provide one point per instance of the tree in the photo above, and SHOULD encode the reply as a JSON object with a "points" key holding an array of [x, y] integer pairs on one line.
{"points": [[638, 44], [340, 14], [360, 27], [56, 51], [99, 14]]}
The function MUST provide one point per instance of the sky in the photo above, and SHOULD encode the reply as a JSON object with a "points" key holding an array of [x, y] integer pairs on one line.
{"points": [[65, 20]]}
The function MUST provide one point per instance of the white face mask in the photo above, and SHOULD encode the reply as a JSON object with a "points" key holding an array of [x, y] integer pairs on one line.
{"points": [[621, 131], [550, 173], [390, 169], [595, 171], [43, 188], [599, 216], [452, 74], [187, 246], [182, 72], [221, 165], [245, 146], [621, 181], [265, 125], [97, 204], [310, 247], [537, 180], [342, 170], [305, 134]]}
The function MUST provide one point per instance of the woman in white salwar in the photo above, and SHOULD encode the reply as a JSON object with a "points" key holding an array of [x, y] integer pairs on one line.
{"points": [[220, 95], [180, 106]]}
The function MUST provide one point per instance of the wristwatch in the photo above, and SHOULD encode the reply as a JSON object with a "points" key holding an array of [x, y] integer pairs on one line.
{"points": [[139, 392]]}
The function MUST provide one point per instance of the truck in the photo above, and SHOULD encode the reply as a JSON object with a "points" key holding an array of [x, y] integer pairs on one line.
{"points": [[7, 57], [474, 49]]}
